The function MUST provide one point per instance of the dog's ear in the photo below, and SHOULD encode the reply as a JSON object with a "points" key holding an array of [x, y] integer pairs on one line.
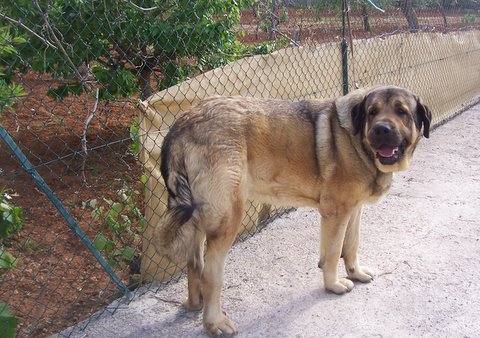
{"points": [[358, 116], [424, 117]]}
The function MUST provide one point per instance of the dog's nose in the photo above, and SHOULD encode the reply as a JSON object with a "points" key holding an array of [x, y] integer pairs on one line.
{"points": [[382, 128]]}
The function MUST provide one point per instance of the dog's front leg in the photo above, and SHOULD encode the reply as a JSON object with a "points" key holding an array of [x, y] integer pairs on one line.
{"points": [[333, 228], [350, 249]]}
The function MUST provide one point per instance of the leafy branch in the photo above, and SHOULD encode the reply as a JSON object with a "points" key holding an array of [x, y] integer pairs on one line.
{"points": [[60, 46], [22, 25]]}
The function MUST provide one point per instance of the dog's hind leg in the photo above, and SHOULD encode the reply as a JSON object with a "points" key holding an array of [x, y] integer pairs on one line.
{"points": [[195, 265], [218, 243]]}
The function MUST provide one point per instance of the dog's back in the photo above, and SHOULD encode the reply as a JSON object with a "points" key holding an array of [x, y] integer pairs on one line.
{"points": [[240, 147]]}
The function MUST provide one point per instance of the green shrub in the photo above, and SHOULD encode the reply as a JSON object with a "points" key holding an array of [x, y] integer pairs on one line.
{"points": [[469, 19], [122, 224], [8, 322], [9, 92], [11, 222]]}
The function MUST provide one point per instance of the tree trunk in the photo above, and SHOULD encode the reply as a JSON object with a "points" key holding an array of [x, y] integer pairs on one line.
{"points": [[144, 75], [441, 6], [366, 22], [273, 19], [410, 15]]}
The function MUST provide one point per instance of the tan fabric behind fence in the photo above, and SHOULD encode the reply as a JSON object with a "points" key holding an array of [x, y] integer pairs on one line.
{"points": [[444, 69]]}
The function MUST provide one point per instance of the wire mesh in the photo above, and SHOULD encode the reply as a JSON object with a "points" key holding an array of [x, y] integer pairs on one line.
{"points": [[72, 75]]}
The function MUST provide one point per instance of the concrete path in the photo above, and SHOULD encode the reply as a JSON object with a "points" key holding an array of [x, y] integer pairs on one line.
{"points": [[422, 239]]}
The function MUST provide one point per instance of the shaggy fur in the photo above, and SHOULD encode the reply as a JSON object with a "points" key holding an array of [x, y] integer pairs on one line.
{"points": [[333, 155]]}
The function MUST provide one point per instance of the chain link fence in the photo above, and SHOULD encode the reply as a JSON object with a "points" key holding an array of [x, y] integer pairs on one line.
{"points": [[88, 89]]}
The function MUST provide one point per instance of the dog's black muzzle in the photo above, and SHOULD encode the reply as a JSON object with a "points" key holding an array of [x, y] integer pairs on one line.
{"points": [[387, 142]]}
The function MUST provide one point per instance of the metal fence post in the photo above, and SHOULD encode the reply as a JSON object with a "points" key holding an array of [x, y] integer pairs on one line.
{"points": [[344, 49]]}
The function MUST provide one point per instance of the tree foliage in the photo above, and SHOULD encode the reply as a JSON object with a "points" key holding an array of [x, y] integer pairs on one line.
{"points": [[9, 91], [119, 45], [124, 46]]}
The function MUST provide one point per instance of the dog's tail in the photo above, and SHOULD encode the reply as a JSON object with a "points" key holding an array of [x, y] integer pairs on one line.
{"points": [[178, 235]]}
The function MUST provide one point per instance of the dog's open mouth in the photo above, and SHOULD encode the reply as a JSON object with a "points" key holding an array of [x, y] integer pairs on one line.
{"points": [[387, 154]]}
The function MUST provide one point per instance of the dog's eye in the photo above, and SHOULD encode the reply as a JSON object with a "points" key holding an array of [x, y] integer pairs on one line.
{"points": [[401, 111], [373, 111]]}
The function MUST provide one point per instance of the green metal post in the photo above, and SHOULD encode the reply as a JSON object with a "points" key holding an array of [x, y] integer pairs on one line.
{"points": [[29, 168], [344, 50]]}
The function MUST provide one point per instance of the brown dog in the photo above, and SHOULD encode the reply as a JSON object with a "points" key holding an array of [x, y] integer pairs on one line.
{"points": [[333, 155]]}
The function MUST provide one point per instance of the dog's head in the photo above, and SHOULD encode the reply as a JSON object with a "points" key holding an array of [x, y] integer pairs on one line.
{"points": [[389, 120]]}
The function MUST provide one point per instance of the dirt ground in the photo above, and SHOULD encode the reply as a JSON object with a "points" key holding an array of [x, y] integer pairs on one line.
{"points": [[57, 281], [422, 239]]}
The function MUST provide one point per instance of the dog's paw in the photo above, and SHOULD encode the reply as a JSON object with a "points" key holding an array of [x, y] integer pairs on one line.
{"points": [[341, 286], [222, 328], [362, 274]]}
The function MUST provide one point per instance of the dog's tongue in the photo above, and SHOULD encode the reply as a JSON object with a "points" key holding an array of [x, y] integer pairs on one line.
{"points": [[387, 151]]}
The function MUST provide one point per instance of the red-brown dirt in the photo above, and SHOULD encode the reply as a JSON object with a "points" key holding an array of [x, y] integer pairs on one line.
{"points": [[57, 282]]}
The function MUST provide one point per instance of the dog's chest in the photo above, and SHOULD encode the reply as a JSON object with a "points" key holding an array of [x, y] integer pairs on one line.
{"points": [[379, 186]]}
